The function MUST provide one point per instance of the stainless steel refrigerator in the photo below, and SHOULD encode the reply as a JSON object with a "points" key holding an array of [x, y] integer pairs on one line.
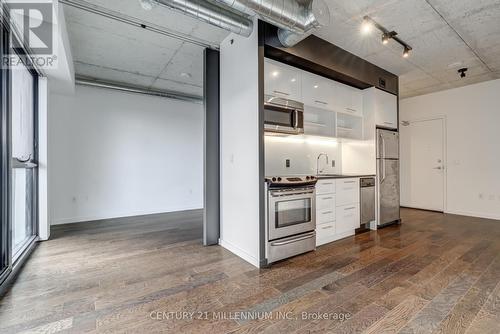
{"points": [[388, 191]]}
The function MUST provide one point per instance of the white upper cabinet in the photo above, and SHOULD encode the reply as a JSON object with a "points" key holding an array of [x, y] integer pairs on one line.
{"points": [[318, 91], [282, 80], [319, 122], [382, 107], [349, 100], [331, 95]]}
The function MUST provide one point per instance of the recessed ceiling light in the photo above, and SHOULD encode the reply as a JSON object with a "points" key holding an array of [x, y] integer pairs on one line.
{"points": [[147, 4], [275, 74], [293, 80], [186, 75], [316, 86]]}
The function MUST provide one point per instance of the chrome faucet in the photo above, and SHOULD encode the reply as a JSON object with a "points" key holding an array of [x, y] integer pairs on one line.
{"points": [[317, 163]]}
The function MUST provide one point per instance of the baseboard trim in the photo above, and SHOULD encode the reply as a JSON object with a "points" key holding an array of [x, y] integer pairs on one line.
{"points": [[82, 219], [473, 214], [240, 253]]}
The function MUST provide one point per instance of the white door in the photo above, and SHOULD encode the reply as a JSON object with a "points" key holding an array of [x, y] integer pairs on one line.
{"points": [[422, 164]]}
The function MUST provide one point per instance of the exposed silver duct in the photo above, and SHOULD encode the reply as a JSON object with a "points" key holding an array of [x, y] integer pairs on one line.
{"points": [[209, 12], [296, 19], [316, 16]]}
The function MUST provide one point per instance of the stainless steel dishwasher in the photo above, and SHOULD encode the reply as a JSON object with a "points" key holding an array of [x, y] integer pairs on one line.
{"points": [[367, 200]]}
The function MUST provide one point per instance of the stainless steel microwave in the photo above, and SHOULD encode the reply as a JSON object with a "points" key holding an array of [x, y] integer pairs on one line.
{"points": [[283, 116]]}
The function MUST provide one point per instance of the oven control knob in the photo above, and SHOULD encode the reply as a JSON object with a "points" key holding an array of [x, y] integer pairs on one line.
{"points": [[274, 179], [279, 179], [307, 177]]}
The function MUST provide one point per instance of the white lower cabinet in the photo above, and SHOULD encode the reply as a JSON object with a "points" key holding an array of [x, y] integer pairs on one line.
{"points": [[337, 209], [325, 233], [347, 218]]}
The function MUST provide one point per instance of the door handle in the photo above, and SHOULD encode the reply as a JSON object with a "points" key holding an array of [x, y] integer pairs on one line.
{"points": [[289, 241], [382, 170], [438, 168]]}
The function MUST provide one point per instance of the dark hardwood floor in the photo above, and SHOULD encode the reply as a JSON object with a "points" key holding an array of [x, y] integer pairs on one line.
{"points": [[433, 274]]}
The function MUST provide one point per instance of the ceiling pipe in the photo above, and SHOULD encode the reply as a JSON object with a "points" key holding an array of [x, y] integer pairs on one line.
{"points": [[211, 13], [91, 82], [296, 19]]}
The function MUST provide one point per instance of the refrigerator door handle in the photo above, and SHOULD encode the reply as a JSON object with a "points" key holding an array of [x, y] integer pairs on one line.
{"points": [[382, 170], [383, 148]]}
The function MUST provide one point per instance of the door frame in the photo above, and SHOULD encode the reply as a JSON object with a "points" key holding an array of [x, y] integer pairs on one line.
{"points": [[5, 221], [445, 153]]}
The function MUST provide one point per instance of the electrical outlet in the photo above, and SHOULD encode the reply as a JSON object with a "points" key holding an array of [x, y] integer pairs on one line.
{"points": [[287, 163], [333, 163]]}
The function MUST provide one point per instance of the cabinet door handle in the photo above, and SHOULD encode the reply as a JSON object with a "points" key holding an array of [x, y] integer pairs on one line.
{"points": [[321, 102], [388, 123], [326, 227], [349, 181], [327, 184], [327, 212], [351, 208], [327, 198], [351, 110], [282, 93]]}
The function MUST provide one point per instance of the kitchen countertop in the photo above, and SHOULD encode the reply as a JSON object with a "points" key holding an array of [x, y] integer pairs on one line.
{"points": [[342, 176]]}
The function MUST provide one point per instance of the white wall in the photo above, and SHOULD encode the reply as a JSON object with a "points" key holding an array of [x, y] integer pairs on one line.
{"points": [[472, 144], [114, 154], [359, 157], [239, 137], [303, 154]]}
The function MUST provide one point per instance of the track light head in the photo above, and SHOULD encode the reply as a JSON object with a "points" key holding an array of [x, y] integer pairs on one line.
{"points": [[385, 39], [366, 26], [406, 52], [386, 36]]}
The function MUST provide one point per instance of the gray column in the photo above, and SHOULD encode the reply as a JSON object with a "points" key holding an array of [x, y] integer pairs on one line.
{"points": [[211, 158]]}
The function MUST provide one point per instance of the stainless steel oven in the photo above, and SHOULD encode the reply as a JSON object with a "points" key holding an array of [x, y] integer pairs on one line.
{"points": [[291, 211], [283, 116], [291, 217]]}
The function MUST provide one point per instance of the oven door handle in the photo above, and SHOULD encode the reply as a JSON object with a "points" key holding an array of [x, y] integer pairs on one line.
{"points": [[289, 241], [278, 193]]}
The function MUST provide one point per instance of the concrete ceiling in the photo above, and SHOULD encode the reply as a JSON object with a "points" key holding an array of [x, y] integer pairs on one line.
{"points": [[110, 50], [445, 35]]}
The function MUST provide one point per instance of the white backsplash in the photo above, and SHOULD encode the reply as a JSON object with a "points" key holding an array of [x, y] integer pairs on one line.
{"points": [[302, 152]]}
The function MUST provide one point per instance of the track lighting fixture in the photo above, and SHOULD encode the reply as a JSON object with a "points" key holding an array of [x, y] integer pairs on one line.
{"points": [[369, 23]]}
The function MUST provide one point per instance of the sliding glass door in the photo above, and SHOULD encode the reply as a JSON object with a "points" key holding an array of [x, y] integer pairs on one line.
{"points": [[18, 155], [24, 157]]}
